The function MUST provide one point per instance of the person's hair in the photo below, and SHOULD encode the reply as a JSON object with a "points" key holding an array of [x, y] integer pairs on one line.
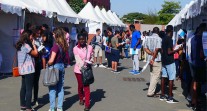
{"points": [[81, 35], [28, 25], [117, 32], [109, 29], [98, 30], [162, 34], [66, 29], [45, 25], [84, 33], [105, 33], [202, 27], [132, 26], [46, 34], [24, 38], [156, 30], [60, 38], [169, 29]]}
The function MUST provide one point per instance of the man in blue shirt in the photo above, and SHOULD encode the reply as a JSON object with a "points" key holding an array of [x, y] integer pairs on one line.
{"points": [[135, 45], [197, 65]]}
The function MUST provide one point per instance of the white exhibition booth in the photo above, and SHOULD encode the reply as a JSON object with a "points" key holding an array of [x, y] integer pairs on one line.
{"points": [[190, 17], [14, 14]]}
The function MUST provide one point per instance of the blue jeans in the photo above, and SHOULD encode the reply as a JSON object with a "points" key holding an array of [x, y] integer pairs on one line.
{"points": [[126, 53], [58, 88], [169, 71]]}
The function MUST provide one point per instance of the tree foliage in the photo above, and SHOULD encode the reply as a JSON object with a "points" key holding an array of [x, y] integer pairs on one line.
{"points": [[76, 5], [133, 16], [168, 11]]}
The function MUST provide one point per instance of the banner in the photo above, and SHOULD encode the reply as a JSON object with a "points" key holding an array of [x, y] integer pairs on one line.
{"points": [[204, 40]]}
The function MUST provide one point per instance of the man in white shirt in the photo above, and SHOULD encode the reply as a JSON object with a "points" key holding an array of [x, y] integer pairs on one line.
{"points": [[152, 46], [97, 41]]}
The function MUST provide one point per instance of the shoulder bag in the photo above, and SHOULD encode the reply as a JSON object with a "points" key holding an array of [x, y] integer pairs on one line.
{"points": [[15, 69], [87, 72], [51, 75]]}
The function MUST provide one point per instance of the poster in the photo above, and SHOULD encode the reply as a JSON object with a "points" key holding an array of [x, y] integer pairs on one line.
{"points": [[16, 35], [204, 40], [133, 52], [181, 33], [73, 33]]}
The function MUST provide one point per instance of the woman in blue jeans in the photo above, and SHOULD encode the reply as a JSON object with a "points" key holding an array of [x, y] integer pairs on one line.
{"points": [[58, 60]]}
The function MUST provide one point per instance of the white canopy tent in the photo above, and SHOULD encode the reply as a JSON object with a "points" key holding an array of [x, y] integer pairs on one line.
{"points": [[89, 13], [12, 6], [94, 22], [107, 17], [112, 18], [117, 18], [99, 13], [11, 16]]}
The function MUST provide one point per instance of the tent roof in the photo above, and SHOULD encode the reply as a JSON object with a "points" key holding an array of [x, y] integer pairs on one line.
{"points": [[12, 6], [112, 18], [100, 14], [107, 16], [117, 18], [47, 7], [88, 12]]}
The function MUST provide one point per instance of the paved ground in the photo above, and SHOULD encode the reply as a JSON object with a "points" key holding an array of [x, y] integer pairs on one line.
{"points": [[110, 92]]}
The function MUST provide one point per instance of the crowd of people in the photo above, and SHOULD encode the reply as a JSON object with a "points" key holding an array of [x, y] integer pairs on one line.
{"points": [[185, 61], [39, 48]]}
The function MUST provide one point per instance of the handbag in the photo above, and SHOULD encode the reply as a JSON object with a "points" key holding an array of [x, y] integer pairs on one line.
{"points": [[87, 72], [15, 69], [50, 76]]}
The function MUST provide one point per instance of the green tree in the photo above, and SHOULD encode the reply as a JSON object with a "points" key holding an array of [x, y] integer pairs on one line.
{"points": [[151, 18], [76, 5], [130, 17], [168, 11]]}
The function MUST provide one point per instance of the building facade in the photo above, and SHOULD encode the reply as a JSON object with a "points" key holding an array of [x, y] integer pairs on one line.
{"points": [[101, 3]]}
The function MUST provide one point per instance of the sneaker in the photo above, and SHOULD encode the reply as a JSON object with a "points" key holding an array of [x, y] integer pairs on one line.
{"points": [[106, 59], [95, 66], [51, 110], [59, 109], [171, 100], [102, 66], [189, 98], [116, 72], [132, 71], [163, 98], [136, 73], [108, 67], [112, 70]]}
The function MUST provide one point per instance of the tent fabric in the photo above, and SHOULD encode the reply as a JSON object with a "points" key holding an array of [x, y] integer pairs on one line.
{"points": [[107, 17], [92, 26], [88, 12], [112, 18], [11, 6], [117, 18], [45, 7], [100, 14], [8, 35]]}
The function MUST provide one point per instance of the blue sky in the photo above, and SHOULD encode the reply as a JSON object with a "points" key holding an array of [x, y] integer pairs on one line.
{"points": [[122, 7]]}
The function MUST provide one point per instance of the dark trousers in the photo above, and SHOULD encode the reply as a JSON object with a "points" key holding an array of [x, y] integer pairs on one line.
{"points": [[26, 91], [36, 82], [83, 91], [108, 56]]}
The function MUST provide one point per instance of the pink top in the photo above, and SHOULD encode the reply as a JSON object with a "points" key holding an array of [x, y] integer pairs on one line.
{"points": [[67, 36], [81, 54]]}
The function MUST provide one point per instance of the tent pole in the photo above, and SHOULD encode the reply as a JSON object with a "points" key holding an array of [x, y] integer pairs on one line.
{"points": [[23, 19]]}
